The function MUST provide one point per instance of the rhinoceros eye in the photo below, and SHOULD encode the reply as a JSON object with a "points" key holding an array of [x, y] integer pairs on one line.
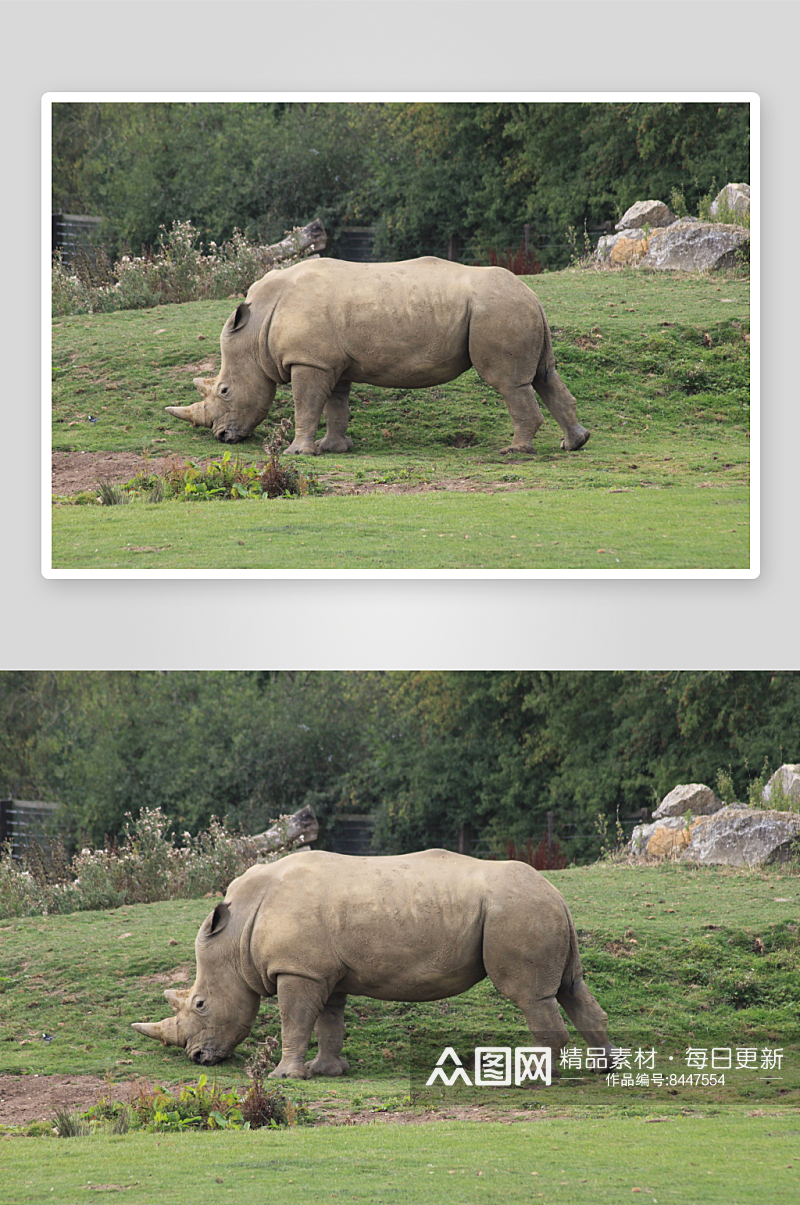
{"points": [[199, 1004], [224, 391]]}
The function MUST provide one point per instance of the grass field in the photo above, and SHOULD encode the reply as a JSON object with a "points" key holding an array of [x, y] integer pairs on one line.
{"points": [[732, 1160], [660, 368], [677, 956]]}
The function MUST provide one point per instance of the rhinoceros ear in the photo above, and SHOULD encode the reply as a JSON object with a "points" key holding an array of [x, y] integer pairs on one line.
{"points": [[216, 922], [240, 318]]}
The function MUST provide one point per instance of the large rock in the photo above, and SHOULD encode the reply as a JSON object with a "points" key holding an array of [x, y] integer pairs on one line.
{"points": [[784, 785], [740, 836], [663, 839], [691, 246], [735, 198], [629, 251], [692, 797], [626, 240], [645, 213]]}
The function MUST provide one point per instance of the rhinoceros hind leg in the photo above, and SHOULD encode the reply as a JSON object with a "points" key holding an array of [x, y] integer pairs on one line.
{"points": [[588, 1018], [581, 440], [340, 443], [330, 1036], [563, 407], [525, 415], [337, 416]]}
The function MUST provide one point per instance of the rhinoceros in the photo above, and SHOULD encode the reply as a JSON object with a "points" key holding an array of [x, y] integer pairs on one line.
{"points": [[316, 926], [326, 324]]}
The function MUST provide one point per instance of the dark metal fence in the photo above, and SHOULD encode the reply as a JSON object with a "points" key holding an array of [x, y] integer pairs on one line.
{"points": [[22, 822], [350, 835], [357, 244], [73, 233], [353, 834]]}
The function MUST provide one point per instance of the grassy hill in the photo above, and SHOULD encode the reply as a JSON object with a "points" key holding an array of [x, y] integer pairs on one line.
{"points": [[659, 365], [677, 956]]}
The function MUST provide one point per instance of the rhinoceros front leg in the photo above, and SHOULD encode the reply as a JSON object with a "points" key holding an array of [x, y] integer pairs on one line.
{"points": [[312, 387], [563, 407], [330, 1036], [337, 416], [300, 1002]]}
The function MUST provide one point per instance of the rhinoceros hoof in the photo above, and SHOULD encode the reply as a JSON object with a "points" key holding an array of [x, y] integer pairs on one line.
{"points": [[301, 449], [335, 443], [578, 443], [528, 449], [332, 1065], [289, 1071]]}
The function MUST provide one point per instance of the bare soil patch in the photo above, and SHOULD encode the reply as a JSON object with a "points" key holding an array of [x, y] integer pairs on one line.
{"points": [[475, 1113], [80, 472], [76, 472], [26, 1098]]}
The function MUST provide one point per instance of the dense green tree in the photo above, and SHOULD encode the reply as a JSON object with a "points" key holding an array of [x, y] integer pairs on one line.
{"points": [[496, 752], [420, 173], [431, 754]]}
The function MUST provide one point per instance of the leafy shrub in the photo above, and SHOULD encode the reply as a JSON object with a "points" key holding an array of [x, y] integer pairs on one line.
{"points": [[177, 270], [146, 867], [197, 1106], [224, 479]]}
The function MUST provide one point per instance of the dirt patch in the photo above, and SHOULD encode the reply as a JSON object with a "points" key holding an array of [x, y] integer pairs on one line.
{"points": [[197, 369], [181, 974], [76, 472], [476, 1113], [80, 472], [26, 1098]]}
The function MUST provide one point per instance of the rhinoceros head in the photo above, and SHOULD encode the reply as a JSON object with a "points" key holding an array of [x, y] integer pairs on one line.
{"points": [[216, 1014], [239, 399]]}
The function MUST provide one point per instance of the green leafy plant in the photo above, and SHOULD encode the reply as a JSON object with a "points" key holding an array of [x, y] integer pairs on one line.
{"points": [[724, 784], [145, 866], [612, 846], [71, 1125], [176, 271]]}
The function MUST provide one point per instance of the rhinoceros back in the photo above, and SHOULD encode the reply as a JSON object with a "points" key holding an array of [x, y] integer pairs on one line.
{"points": [[410, 927]]}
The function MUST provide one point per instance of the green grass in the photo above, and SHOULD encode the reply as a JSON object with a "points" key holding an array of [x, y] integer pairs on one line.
{"points": [[438, 531], [733, 1160], [669, 417], [668, 950]]}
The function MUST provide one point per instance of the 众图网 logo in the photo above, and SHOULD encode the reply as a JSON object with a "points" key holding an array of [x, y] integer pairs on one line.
{"points": [[493, 1067]]}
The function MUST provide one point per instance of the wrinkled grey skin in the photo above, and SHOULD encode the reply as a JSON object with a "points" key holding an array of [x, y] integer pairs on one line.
{"points": [[325, 324], [315, 927]]}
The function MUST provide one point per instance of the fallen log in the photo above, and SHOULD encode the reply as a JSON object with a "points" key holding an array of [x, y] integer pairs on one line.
{"points": [[302, 238], [299, 829]]}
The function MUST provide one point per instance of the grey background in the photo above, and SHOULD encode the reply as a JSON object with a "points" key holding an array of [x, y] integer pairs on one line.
{"points": [[380, 45]]}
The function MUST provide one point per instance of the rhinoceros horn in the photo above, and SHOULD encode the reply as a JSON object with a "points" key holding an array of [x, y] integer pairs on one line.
{"points": [[199, 414], [165, 1032]]}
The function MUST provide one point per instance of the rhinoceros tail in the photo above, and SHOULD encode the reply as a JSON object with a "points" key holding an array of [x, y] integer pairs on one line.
{"points": [[547, 360], [573, 970]]}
